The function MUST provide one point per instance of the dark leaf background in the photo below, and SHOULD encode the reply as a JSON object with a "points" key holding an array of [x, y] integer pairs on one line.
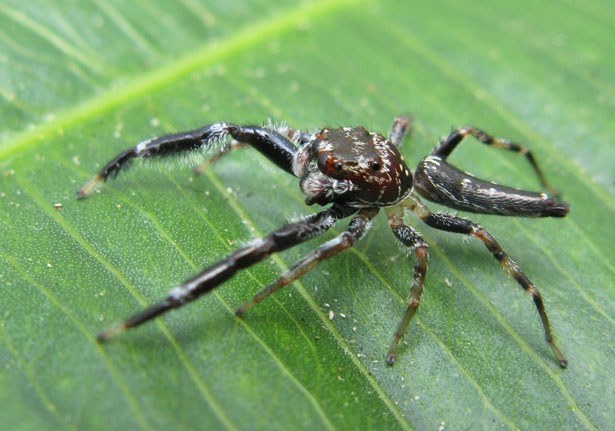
{"points": [[83, 80]]}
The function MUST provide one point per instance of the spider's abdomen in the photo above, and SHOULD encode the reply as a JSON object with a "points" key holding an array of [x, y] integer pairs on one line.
{"points": [[440, 182], [353, 166]]}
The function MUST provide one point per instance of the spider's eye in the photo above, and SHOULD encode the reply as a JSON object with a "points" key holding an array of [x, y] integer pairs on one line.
{"points": [[327, 164], [375, 165]]}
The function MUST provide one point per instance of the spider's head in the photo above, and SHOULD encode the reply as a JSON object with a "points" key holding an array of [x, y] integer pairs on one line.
{"points": [[353, 166]]}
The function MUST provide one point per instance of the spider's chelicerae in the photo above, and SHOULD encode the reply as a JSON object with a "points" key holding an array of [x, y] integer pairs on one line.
{"points": [[354, 173]]}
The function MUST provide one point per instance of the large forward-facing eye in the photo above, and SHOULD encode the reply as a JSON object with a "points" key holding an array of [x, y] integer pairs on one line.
{"points": [[328, 165]]}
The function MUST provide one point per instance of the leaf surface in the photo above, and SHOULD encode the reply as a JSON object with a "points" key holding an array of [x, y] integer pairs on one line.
{"points": [[82, 81]]}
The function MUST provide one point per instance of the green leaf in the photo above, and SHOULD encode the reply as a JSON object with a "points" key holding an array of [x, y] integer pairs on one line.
{"points": [[81, 81]]}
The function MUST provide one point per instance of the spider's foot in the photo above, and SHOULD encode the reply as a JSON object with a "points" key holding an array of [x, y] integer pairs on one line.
{"points": [[201, 168], [89, 187], [562, 361], [241, 311], [391, 356], [149, 313], [111, 332]]}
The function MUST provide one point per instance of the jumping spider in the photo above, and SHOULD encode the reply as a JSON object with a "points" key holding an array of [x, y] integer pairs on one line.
{"points": [[356, 173]]}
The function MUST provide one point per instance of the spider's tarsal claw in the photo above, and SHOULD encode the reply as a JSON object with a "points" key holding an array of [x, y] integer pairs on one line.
{"points": [[561, 360], [391, 356], [200, 168], [392, 353], [241, 311], [138, 319], [89, 187], [111, 332]]}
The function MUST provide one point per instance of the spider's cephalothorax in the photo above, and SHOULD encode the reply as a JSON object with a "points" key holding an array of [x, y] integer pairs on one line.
{"points": [[353, 166], [355, 173]]}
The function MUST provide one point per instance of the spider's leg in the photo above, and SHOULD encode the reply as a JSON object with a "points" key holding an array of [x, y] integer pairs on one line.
{"points": [[401, 127], [411, 239], [273, 145], [356, 229], [446, 147], [296, 137], [212, 277], [454, 224], [225, 149]]}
